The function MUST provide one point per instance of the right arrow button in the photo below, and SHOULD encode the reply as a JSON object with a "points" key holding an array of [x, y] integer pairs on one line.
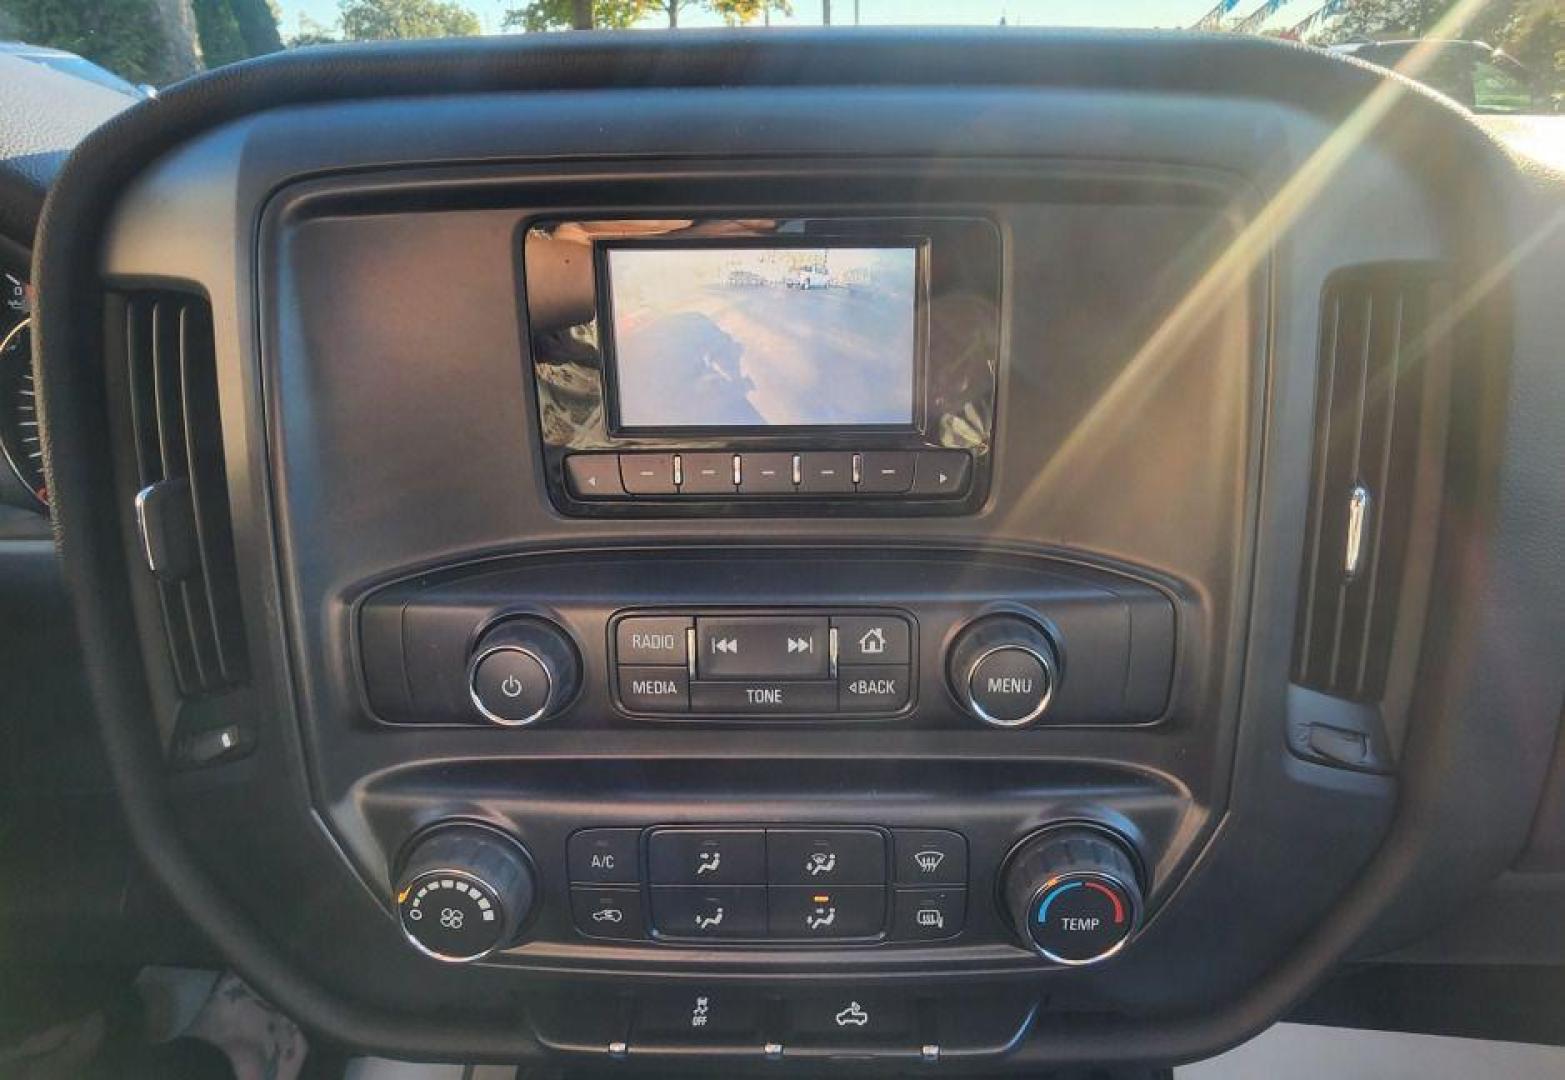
{"points": [[942, 472]]}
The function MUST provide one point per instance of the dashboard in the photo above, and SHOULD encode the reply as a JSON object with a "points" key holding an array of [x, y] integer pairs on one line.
{"points": [[720, 553], [21, 442]]}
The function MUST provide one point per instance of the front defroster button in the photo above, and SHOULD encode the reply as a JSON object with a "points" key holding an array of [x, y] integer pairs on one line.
{"points": [[929, 857]]}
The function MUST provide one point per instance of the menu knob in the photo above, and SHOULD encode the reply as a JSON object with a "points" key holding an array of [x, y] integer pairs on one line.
{"points": [[1004, 670]]}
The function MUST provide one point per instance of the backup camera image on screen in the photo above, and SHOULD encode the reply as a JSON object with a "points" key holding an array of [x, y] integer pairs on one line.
{"points": [[763, 337]]}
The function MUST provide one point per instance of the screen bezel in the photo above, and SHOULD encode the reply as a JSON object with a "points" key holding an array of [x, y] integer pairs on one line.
{"points": [[603, 287]]}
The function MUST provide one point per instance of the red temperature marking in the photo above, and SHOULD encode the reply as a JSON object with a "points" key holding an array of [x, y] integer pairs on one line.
{"points": [[1119, 905]]}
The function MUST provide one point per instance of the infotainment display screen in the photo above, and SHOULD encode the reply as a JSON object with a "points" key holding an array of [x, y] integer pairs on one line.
{"points": [[762, 336]]}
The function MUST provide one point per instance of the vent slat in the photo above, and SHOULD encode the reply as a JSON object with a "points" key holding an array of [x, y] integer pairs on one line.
{"points": [[202, 651], [143, 398], [181, 647], [172, 382], [166, 391], [1384, 441], [1317, 504], [1368, 407], [1346, 476], [208, 490]]}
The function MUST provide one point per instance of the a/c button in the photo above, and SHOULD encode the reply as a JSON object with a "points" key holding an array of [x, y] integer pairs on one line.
{"points": [[604, 856]]}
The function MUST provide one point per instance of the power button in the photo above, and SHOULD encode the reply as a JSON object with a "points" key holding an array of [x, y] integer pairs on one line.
{"points": [[510, 685]]}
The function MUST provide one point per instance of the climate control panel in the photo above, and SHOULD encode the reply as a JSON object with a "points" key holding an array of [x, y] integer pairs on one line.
{"points": [[1070, 892], [793, 884]]}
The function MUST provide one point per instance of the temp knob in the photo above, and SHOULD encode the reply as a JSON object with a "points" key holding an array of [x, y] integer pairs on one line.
{"points": [[464, 891], [1072, 893], [1004, 670], [524, 670]]}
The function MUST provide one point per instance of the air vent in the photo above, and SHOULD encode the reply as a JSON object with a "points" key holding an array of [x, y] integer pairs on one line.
{"points": [[182, 504], [1376, 341]]}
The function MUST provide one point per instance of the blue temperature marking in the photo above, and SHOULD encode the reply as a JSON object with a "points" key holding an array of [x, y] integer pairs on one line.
{"points": [[1043, 909]]}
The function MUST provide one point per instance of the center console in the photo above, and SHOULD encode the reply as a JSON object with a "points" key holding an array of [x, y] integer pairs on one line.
{"points": [[785, 685], [772, 611]]}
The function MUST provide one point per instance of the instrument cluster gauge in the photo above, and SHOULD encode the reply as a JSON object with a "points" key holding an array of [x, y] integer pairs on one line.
{"points": [[20, 440]]}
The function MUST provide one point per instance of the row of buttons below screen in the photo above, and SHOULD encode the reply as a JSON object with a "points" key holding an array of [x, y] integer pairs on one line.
{"points": [[929, 473], [768, 913], [812, 857], [763, 646]]}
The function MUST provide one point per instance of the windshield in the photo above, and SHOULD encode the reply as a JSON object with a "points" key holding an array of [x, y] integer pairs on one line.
{"points": [[1495, 55]]}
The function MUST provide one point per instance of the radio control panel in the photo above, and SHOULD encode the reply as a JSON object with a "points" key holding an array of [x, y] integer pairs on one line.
{"points": [[787, 664], [929, 640]]}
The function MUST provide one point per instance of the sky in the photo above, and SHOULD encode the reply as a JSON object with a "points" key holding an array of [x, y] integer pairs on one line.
{"points": [[1165, 14]]}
